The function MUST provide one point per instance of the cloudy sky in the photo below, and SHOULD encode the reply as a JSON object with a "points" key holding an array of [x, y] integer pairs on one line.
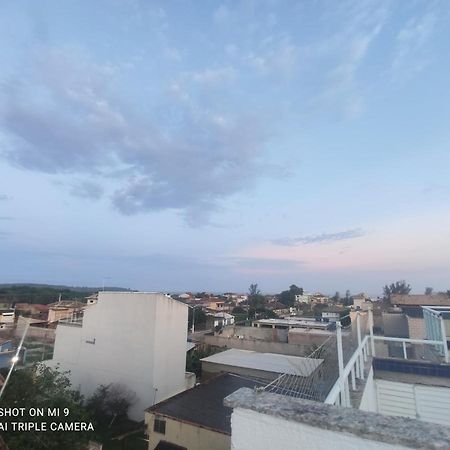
{"points": [[186, 145]]}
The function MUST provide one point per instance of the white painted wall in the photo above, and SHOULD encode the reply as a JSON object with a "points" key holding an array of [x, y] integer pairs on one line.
{"points": [[428, 403], [252, 430], [140, 341], [369, 397]]}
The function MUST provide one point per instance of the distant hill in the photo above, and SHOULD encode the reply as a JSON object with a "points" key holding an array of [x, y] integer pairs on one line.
{"points": [[45, 293]]}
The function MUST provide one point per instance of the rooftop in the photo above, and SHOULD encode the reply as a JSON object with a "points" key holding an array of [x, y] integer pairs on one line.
{"points": [[418, 300], [268, 362], [370, 426], [203, 404]]}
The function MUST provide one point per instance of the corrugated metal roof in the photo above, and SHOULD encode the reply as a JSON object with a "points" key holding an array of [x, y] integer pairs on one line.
{"points": [[269, 362]]}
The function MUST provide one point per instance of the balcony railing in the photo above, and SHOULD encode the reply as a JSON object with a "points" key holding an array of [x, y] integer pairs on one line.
{"points": [[434, 350]]}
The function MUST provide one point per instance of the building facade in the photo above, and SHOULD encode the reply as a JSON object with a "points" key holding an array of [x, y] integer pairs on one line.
{"points": [[131, 338]]}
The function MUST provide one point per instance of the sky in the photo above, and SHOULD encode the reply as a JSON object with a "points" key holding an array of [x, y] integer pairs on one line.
{"points": [[186, 145]]}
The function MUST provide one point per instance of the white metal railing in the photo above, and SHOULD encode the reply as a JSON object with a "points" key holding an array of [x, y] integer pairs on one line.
{"points": [[354, 369]]}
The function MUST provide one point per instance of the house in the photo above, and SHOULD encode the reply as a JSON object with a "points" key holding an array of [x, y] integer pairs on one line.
{"points": [[411, 307], [375, 401], [136, 339], [332, 314], [302, 298], [262, 366], [219, 320], [64, 309], [292, 322], [196, 418], [7, 315], [34, 310], [319, 298], [361, 302]]}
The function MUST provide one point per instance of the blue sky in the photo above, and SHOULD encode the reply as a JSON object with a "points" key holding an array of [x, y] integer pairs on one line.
{"points": [[204, 145]]}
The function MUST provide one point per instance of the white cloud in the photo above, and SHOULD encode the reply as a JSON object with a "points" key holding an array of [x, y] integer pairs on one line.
{"points": [[409, 53]]}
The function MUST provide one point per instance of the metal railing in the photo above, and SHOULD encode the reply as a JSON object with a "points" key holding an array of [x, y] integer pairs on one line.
{"points": [[355, 368]]}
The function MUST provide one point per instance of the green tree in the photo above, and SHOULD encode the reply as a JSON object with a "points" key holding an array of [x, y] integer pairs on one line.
{"points": [[399, 287], [428, 291], [43, 387], [200, 317], [255, 298], [288, 297], [348, 299], [336, 297], [109, 403]]}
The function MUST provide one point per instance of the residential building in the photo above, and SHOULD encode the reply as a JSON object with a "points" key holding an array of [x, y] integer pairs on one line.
{"points": [[267, 421], [7, 315], [358, 409], [196, 419], [411, 307], [292, 322], [361, 302], [302, 298], [34, 310], [135, 339], [219, 320], [332, 314], [64, 309]]}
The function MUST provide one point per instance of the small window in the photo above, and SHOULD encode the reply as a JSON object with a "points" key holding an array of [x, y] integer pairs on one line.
{"points": [[159, 426]]}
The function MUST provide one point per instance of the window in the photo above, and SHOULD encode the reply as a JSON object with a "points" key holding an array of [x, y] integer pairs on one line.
{"points": [[159, 426]]}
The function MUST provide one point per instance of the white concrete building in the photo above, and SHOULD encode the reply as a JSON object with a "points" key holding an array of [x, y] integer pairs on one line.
{"points": [[303, 298], [133, 338]]}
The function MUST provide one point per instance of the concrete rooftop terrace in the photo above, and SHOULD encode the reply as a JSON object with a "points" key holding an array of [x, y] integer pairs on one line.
{"points": [[363, 427]]}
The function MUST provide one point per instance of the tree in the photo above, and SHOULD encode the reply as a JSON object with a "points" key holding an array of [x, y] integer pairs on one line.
{"points": [[428, 291], [336, 297], [399, 287], [253, 290], [348, 300], [288, 297], [43, 387], [109, 403], [199, 319], [193, 358], [255, 299]]}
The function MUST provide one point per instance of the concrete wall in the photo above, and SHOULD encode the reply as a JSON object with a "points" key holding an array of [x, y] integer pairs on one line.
{"points": [[134, 339], [252, 430], [263, 334], [43, 334], [259, 346], [416, 327], [395, 325], [186, 435]]}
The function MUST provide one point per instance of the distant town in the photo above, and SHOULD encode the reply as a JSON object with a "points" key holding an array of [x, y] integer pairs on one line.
{"points": [[193, 370]]}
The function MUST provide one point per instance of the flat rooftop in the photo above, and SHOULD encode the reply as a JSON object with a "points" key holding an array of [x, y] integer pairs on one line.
{"points": [[303, 322], [268, 362], [396, 432], [203, 404]]}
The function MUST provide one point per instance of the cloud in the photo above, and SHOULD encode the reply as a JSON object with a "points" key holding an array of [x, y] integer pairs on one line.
{"points": [[347, 49], [214, 77], [321, 238], [64, 116], [4, 197], [87, 189], [6, 218], [410, 42]]}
